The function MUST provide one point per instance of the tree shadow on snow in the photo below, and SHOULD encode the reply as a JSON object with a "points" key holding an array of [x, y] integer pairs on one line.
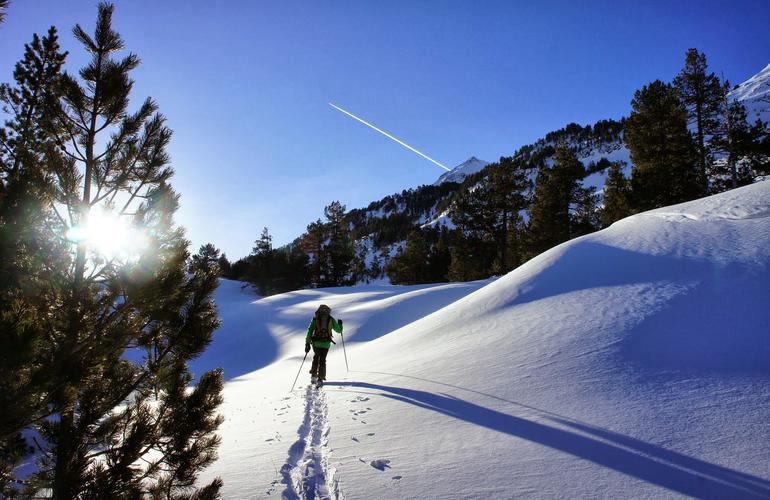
{"points": [[415, 303], [644, 461], [242, 345]]}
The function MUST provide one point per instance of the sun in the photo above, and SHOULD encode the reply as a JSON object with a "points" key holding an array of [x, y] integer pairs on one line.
{"points": [[110, 235]]}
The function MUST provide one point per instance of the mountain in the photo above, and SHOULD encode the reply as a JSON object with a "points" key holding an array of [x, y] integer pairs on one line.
{"points": [[469, 167], [628, 363], [754, 93], [382, 228]]}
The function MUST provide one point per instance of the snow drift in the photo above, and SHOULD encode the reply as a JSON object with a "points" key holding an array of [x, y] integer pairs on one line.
{"points": [[632, 362]]}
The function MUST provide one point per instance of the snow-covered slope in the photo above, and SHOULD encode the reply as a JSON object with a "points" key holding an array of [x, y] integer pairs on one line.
{"points": [[596, 146], [754, 93], [463, 170], [629, 363]]}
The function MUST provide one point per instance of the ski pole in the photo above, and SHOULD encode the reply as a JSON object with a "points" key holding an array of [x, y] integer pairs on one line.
{"points": [[300, 371], [344, 352]]}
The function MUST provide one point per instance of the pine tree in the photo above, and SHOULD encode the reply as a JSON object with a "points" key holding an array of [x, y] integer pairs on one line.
{"points": [[30, 241], [291, 269], [117, 427], [490, 211], [471, 259], [556, 189], [665, 163], [411, 265], [701, 93], [312, 243], [617, 196], [439, 258], [264, 245], [585, 220], [759, 154], [224, 266], [262, 265], [735, 141], [339, 251], [208, 256], [3, 7]]}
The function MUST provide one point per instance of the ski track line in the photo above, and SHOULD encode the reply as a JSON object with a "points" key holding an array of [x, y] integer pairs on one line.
{"points": [[306, 472]]}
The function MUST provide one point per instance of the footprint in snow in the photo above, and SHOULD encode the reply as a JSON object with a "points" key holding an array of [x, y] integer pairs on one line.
{"points": [[380, 464], [370, 434], [355, 439], [397, 477]]}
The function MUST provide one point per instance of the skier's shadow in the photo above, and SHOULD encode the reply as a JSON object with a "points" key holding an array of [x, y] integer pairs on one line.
{"points": [[645, 461]]}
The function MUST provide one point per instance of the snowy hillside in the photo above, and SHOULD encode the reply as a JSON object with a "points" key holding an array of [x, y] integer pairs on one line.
{"points": [[754, 93], [469, 167], [596, 147], [629, 363]]}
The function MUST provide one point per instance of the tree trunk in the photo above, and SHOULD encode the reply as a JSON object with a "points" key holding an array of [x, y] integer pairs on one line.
{"points": [[504, 243], [66, 475]]}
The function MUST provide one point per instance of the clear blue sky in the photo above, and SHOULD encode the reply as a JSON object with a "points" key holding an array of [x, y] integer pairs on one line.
{"points": [[245, 87]]}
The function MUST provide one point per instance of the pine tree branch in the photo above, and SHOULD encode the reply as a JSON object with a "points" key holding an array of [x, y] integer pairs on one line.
{"points": [[130, 170], [66, 118], [40, 448], [8, 149], [72, 140], [131, 388], [134, 195], [56, 211]]}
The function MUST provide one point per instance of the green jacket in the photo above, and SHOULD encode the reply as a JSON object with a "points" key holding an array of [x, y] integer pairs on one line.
{"points": [[337, 327]]}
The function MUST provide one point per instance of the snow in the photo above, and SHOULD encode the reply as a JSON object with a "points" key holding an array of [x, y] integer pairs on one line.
{"points": [[629, 363], [463, 170], [754, 93], [443, 219]]}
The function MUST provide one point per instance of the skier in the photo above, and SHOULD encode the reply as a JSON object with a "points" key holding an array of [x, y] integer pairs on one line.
{"points": [[319, 334]]}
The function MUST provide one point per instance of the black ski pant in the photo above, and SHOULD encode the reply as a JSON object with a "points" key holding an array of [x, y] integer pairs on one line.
{"points": [[318, 369]]}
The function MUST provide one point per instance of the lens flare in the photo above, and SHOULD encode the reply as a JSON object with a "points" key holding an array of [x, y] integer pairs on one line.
{"points": [[110, 235]]}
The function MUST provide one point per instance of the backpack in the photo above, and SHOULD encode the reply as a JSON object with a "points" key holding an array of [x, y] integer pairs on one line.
{"points": [[323, 331]]}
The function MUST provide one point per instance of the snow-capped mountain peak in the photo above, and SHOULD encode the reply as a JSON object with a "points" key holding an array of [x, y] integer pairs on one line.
{"points": [[754, 93], [756, 87], [463, 170]]}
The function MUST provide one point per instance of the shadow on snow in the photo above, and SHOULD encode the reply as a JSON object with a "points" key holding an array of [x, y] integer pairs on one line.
{"points": [[630, 456], [719, 324]]}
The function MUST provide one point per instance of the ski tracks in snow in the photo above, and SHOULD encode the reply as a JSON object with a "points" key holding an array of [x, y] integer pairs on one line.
{"points": [[307, 473]]}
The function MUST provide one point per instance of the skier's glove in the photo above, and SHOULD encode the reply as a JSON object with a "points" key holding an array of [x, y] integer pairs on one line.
{"points": [[307, 348], [339, 321]]}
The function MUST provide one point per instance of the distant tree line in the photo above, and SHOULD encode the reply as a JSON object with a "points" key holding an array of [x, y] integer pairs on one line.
{"points": [[325, 255], [686, 139]]}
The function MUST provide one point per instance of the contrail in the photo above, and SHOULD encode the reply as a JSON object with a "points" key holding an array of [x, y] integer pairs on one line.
{"points": [[390, 137]]}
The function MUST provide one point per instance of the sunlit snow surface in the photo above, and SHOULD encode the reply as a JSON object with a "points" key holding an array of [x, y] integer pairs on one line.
{"points": [[629, 363]]}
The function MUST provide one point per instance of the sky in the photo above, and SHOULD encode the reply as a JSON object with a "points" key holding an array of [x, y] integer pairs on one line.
{"points": [[245, 86]]}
